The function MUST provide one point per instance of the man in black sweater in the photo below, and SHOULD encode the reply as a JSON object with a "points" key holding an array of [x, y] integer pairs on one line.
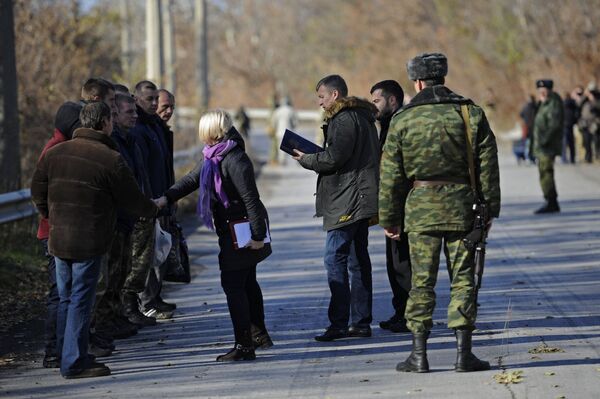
{"points": [[388, 97]]}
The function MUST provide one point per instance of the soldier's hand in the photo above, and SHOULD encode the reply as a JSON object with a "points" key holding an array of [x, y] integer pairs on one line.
{"points": [[392, 232], [298, 156]]}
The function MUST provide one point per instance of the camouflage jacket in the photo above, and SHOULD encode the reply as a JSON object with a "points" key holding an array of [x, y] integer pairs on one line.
{"points": [[548, 127], [349, 167], [426, 141]]}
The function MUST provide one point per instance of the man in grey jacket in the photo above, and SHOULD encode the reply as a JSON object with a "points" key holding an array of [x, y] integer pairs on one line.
{"points": [[347, 184]]}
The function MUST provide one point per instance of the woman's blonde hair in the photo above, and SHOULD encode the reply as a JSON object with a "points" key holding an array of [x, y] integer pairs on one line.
{"points": [[213, 125]]}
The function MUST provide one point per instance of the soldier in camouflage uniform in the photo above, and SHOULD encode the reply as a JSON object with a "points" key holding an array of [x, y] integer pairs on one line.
{"points": [[425, 190], [547, 141]]}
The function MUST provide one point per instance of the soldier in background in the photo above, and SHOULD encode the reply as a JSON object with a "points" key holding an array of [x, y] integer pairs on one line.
{"points": [[547, 141], [589, 120], [388, 97], [425, 190]]}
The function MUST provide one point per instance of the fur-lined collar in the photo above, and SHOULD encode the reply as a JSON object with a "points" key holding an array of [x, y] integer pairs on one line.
{"points": [[350, 102], [438, 94]]}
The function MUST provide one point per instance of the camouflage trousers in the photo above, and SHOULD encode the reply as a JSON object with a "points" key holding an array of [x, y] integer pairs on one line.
{"points": [[142, 256], [546, 169], [425, 248], [119, 256]]}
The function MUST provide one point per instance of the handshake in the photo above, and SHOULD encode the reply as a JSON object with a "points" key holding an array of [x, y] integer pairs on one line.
{"points": [[161, 202], [163, 206]]}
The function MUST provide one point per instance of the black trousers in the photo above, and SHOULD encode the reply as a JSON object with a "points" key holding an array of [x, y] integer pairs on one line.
{"points": [[245, 302], [399, 273]]}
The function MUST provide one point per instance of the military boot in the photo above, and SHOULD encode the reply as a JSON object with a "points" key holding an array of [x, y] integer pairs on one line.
{"points": [[417, 361], [465, 359], [132, 312], [551, 206], [242, 350]]}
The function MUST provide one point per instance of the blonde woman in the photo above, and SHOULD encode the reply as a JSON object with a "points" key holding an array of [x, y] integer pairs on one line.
{"points": [[228, 193]]}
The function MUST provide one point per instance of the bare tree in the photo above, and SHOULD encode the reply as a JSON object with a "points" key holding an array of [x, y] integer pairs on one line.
{"points": [[10, 167]]}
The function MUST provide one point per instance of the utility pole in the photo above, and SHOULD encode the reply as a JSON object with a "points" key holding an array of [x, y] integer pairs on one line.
{"points": [[168, 47], [154, 49], [10, 158], [200, 17], [126, 48]]}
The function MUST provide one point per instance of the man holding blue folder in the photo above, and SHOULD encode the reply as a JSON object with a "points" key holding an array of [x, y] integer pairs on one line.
{"points": [[347, 186]]}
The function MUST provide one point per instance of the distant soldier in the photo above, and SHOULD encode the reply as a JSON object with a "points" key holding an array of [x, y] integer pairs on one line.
{"points": [[547, 141], [425, 190]]}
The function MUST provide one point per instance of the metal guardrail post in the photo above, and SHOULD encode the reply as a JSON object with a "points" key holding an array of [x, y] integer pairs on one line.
{"points": [[16, 205]]}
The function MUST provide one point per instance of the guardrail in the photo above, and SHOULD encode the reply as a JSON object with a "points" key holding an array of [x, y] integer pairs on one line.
{"points": [[16, 205]]}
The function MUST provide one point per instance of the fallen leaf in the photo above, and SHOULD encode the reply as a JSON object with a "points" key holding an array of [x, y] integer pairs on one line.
{"points": [[544, 348], [511, 377]]}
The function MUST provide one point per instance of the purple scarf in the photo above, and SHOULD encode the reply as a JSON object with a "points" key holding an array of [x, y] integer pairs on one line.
{"points": [[210, 178]]}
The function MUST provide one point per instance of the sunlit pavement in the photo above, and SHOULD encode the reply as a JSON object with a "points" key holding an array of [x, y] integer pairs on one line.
{"points": [[541, 287]]}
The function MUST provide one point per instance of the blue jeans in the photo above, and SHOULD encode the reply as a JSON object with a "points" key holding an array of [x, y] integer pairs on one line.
{"points": [[76, 282], [51, 304], [351, 298]]}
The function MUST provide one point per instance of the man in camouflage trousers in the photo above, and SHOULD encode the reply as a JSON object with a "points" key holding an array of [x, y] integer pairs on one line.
{"points": [[425, 190], [547, 141]]}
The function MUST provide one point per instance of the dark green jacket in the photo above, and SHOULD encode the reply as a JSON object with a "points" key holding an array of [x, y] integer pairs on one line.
{"points": [[348, 168], [426, 141], [548, 127]]}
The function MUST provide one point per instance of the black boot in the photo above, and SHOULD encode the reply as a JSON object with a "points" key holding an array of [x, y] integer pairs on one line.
{"points": [[260, 338], [465, 359], [242, 350], [132, 312], [417, 361], [551, 206]]}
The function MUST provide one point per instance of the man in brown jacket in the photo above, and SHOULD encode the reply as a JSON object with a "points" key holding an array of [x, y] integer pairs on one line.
{"points": [[78, 186]]}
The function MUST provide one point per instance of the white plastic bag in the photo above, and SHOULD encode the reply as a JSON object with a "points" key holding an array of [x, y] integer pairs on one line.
{"points": [[162, 244]]}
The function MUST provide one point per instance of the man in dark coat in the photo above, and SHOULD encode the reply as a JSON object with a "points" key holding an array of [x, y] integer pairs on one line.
{"points": [[348, 171], [78, 185], [109, 319], [388, 97], [156, 143]]}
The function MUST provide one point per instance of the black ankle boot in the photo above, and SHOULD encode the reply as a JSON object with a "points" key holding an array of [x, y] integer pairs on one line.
{"points": [[465, 359], [417, 361], [238, 352], [260, 338], [242, 350]]}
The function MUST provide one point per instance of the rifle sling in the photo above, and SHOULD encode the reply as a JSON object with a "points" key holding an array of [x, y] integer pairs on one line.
{"points": [[464, 109]]}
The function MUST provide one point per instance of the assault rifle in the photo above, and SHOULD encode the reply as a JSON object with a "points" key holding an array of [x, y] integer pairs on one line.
{"points": [[475, 240]]}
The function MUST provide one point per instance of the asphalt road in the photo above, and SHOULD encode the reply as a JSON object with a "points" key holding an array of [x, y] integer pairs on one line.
{"points": [[540, 291]]}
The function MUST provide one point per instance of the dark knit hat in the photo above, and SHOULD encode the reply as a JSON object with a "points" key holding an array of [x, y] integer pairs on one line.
{"points": [[547, 83], [427, 66], [67, 118]]}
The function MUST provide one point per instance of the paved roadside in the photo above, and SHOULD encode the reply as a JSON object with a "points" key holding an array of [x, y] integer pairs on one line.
{"points": [[540, 287]]}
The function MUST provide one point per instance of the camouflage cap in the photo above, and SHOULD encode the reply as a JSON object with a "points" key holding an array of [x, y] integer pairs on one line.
{"points": [[427, 66], [547, 83]]}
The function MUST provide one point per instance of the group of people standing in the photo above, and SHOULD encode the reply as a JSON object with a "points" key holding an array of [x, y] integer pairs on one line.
{"points": [[418, 178], [548, 124], [435, 158], [110, 154]]}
